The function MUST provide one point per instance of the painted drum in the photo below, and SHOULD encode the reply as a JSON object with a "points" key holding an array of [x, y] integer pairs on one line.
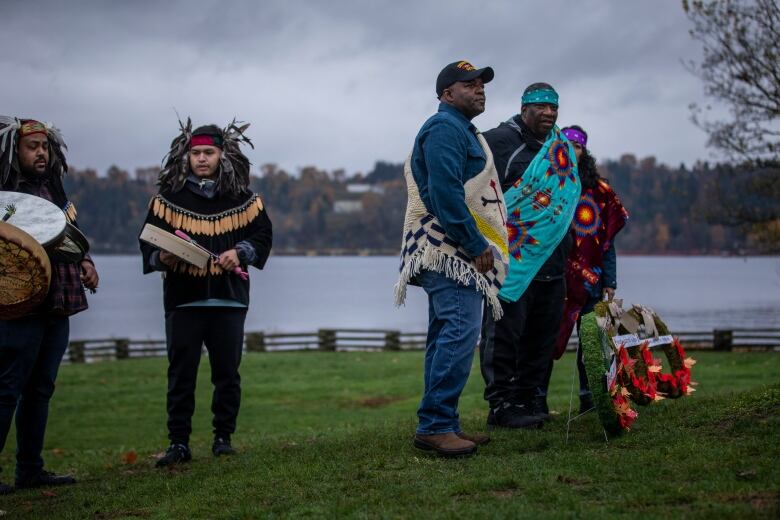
{"points": [[37, 217], [46, 223], [25, 272]]}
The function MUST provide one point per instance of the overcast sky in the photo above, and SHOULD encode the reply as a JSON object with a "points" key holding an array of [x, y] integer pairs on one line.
{"points": [[341, 84]]}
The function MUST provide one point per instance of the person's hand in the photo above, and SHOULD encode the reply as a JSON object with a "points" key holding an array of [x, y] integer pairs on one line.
{"points": [[485, 261], [229, 260], [89, 276], [608, 294], [169, 259]]}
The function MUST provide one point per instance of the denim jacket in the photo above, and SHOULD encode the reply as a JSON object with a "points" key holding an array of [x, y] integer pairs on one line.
{"points": [[446, 154]]}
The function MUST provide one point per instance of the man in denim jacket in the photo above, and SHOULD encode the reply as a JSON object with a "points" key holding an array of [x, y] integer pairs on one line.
{"points": [[446, 154]]}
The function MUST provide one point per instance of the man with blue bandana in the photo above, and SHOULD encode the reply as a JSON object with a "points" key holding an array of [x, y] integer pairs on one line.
{"points": [[537, 169]]}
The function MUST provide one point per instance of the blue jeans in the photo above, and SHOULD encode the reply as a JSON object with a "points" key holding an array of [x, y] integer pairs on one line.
{"points": [[31, 350], [454, 320]]}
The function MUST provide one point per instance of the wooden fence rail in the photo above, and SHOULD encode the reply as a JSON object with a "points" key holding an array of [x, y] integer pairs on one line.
{"points": [[332, 340]]}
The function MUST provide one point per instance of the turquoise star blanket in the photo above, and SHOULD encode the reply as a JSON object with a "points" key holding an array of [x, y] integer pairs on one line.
{"points": [[540, 207]]}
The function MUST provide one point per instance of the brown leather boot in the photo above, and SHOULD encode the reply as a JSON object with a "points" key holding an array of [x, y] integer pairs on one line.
{"points": [[480, 439], [445, 444]]}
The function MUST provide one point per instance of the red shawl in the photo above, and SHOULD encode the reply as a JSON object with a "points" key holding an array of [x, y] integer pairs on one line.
{"points": [[598, 218]]}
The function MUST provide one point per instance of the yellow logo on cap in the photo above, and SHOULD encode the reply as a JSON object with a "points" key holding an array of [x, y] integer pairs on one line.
{"points": [[466, 65]]}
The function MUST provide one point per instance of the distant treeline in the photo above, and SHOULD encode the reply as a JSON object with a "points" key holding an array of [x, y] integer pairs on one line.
{"points": [[320, 212]]}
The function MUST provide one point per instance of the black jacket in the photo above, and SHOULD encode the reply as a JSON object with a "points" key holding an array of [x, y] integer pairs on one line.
{"points": [[514, 147], [252, 225]]}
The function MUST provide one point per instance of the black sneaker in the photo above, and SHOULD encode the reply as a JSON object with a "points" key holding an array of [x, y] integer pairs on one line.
{"points": [[586, 403], [509, 415], [175, 454], [540, 408], [44, 479], [222, 446], [5, 489]]}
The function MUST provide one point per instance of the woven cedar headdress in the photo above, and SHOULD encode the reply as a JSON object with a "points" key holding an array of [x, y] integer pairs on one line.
{"points": [[234, 165], [11, 130]]}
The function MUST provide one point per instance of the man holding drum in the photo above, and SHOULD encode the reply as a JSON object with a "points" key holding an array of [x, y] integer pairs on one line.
{"points": [[204, 194], [32, 345]]}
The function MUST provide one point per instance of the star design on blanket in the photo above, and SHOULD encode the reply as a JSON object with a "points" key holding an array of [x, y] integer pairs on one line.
{"points": [[518, 232], [560, 163], [586, 218]]}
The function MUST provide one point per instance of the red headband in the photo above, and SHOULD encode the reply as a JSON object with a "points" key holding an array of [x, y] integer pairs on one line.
{"points": [[200, 140]]}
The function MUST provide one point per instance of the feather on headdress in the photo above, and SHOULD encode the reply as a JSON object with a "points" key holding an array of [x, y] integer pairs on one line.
{"points": [[9, 141], [234, 165]]}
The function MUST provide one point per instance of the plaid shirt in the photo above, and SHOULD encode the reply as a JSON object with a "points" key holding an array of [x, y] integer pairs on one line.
{"points": [[66, 292]]}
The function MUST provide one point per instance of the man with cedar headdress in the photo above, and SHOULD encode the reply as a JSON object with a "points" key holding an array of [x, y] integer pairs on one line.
{"points": [[204, 195], [32, 161]]}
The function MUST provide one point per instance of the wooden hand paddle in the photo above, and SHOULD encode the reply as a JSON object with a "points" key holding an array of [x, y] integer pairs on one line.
{"points": [[184, 236]]}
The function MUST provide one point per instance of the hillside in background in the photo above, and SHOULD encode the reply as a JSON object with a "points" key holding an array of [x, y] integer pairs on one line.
{"points": [[320, 212]]}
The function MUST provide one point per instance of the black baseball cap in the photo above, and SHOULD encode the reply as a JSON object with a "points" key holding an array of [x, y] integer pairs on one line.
{"points": [[461, 71]]}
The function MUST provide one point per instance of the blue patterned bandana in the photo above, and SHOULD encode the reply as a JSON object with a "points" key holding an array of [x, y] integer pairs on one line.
{"points": [[541, 96]]}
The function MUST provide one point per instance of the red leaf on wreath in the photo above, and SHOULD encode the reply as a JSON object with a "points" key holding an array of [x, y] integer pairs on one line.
{"points": [[680, 350], [626, 361]]}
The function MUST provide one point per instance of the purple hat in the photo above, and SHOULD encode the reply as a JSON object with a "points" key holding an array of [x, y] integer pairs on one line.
{"points": [[576, 136]]}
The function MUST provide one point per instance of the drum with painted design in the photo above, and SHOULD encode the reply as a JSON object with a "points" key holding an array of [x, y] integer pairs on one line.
{"points": [[25, 272], [46, 223]]}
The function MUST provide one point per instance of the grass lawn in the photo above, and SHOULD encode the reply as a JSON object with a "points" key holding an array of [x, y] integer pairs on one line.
{"points": [[329, 435]]}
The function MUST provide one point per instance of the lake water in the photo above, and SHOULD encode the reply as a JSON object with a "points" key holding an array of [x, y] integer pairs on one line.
{"points": [[302, 294]]}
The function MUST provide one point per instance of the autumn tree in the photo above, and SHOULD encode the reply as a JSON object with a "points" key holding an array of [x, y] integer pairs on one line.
{"points": [[741, 69]]}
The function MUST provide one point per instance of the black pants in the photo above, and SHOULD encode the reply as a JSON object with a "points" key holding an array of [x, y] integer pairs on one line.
{"points": [[31, 350], [516, 351], [187, 329]]}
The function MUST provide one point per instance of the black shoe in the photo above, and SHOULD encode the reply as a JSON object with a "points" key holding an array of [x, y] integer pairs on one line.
{"points": [[586, 403], [509, 415], [540, 408], [44, 479], [175, 454], [222, 446], [5, 489]]}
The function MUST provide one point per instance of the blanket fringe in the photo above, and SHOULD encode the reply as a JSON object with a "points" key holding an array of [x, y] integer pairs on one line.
{"points": [[453, 268]]}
